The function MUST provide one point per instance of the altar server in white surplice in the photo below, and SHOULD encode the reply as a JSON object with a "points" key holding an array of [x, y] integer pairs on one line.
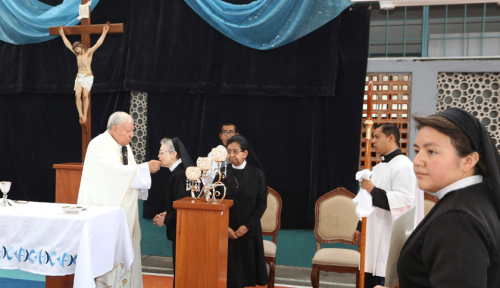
{"points": [[393, 190], [111, 177]]}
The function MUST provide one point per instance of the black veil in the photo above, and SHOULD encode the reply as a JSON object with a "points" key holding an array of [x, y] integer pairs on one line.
{"points": [[245, 145], [182, 153], [483, 144]]}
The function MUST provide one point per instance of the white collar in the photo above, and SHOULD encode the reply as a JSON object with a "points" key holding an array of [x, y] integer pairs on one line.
{"points": [[462, 183], [241, 167], [179, 161]]}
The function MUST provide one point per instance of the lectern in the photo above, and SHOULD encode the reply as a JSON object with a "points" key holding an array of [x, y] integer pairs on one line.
{"points": [[68, 177], [201, 252]]}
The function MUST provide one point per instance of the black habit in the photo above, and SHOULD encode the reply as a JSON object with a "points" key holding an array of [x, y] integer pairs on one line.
{"points": [[246, 265], [176, 190], [456, 245]]}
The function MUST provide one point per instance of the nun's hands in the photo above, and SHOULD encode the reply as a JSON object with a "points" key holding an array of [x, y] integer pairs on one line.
{"points": [[241, 231], [231, 234], [159, 219]]}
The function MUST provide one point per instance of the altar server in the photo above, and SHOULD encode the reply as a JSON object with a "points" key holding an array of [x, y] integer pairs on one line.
{"points": [[111, 177], [393, 188]]}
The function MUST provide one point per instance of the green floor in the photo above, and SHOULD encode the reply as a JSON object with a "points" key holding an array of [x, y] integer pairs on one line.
{"points": [[295, 247]]}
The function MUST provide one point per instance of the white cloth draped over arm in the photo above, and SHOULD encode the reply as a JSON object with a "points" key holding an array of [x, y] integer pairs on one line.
{"points": [[363, 200], [142, 181]]}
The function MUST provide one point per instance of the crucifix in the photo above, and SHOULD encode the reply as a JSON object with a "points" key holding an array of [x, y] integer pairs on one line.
{"points": [[85, 30]]}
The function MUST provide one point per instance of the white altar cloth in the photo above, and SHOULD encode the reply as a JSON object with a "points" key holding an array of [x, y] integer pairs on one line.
{"points": [[41, 238]]}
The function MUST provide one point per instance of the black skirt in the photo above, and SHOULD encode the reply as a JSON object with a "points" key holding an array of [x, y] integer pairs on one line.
{"points": [[246, 265]]}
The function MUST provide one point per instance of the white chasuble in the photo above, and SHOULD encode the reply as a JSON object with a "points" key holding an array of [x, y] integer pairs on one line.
{"points": [[398, 179], [106, 181]]}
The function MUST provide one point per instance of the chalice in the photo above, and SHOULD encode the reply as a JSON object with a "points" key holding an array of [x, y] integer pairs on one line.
{"points": [[5, 187]]}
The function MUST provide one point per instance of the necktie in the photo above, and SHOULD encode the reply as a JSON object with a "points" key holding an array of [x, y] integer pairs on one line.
{"points": [[124, 155]]}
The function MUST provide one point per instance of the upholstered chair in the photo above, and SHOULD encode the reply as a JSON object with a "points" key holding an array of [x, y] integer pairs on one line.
{"points": [[335, 222], [271, 223], [429, 202]]}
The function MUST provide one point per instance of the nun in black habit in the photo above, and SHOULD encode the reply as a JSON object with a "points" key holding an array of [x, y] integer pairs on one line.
{"points": [[246, 186], [458, 243], [174, 156]]}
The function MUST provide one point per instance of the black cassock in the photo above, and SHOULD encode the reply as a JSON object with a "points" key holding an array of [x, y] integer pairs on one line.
{"points": [[456, 245], [246, 265], [176, 190]]}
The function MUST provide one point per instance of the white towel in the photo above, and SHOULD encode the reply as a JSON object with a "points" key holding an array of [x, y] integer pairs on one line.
{"points": [[363, 200]]}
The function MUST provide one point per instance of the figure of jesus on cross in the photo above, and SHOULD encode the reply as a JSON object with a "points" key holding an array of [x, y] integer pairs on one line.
{"points": [[84, 78], [84, 55]]}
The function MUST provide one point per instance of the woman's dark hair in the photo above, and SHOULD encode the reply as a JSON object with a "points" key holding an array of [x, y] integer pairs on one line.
{"points": [[459, 139]]}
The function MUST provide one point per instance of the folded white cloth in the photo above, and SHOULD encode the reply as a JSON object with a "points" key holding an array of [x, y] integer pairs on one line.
{"points": [[363, 200]]}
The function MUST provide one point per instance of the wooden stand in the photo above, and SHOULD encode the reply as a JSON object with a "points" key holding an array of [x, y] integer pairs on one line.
{"points": [[68, 177], [201, 253]]}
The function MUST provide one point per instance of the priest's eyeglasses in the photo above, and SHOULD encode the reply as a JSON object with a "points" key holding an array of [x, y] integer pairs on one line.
{"points": [[235, 152], [230, 133], [161, 152]]}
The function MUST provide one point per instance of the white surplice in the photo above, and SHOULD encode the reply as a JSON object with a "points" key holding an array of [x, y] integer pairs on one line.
{"points": [[106, 181], [398, 179]]}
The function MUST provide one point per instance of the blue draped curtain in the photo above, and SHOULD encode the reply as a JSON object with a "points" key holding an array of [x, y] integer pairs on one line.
{"points": [[268, 24], [261, 24], [28, 21]]}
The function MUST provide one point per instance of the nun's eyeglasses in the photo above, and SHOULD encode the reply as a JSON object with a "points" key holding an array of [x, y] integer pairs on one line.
{"points": [[235, 152], [161, 152], [230, 133]]}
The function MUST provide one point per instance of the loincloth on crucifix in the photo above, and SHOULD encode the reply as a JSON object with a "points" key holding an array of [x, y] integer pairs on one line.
{"points": [[85, 80]]}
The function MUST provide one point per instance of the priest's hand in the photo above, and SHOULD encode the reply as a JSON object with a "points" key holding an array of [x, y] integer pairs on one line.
{"points": [[231, 233], [356, 237], [241, 231], [367, 185], [154, 165]]}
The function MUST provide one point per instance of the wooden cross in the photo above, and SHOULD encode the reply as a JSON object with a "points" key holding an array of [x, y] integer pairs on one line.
{"points": [[85, 29]]}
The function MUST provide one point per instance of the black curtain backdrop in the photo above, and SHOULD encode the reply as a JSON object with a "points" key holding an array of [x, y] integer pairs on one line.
{"points": [[40, 130], [179, 53], [299, 105], [308, 145]]}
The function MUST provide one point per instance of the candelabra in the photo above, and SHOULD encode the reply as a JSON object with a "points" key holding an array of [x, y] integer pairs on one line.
{"points": [[199, 176]]}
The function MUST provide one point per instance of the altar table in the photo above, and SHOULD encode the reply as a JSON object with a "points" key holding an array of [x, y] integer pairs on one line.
{"points": [[41, 238]]}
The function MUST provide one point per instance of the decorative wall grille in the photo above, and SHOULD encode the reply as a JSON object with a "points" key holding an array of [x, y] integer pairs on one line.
{"points": [[477, 93], [391, 104], [138, 110]]}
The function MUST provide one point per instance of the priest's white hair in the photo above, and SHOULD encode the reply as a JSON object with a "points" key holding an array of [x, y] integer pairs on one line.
{"points": [[168, 142], [118, 118]]}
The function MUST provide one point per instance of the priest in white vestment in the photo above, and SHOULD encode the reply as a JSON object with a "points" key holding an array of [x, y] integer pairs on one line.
{"points": [[394, 190], [111, 177]]}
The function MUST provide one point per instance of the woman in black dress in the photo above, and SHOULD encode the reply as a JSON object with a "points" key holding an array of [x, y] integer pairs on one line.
{"points": [[458, 243], [246, 186]]}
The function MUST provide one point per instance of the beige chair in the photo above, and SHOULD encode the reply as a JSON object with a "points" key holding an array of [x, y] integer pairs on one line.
{"points": [[429, 202], [335, 222], [271, 223]]}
